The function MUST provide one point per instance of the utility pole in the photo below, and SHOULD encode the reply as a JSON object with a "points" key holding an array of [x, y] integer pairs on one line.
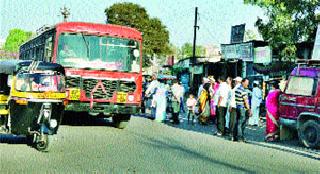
{"points": [[193, 61], [65, 13]]}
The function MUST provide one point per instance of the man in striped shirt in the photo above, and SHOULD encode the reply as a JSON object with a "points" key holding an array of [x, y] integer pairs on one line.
{"points": [[243, 107]]}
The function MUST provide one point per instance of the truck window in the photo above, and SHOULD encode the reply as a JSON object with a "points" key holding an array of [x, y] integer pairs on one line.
{"points": [[304, 86]]}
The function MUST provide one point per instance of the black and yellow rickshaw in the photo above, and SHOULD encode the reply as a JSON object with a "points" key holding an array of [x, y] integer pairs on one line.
{"points": [[35, 103]]}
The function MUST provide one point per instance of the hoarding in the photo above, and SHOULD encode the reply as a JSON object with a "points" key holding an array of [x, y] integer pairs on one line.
{"points": [[243, 51], [237, 33], [262, 55]]}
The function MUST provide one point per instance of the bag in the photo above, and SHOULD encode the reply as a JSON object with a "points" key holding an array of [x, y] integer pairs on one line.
{"points": [[212, 108], [196, 109]]}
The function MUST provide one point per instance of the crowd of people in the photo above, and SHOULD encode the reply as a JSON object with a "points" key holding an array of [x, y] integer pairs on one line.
{"points": [[228, 103]]}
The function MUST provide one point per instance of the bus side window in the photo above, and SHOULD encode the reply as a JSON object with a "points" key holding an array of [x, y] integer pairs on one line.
{"points": [[48, 49]]}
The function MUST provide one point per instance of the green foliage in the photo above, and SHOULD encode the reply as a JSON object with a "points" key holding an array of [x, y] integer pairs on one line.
{"points": [[15, 38], [290, 22], [175, 51], [187, 50], [155, 34], [249, 35]]}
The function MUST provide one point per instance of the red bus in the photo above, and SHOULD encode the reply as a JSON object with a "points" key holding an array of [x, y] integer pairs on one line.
{"points": [[103, 66]]}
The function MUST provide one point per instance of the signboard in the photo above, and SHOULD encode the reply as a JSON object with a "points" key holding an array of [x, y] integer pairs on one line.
{"points": [[243, 51], [316, 47], [237, 33], [262, 55]]}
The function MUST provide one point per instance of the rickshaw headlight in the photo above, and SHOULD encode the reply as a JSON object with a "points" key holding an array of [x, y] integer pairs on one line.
{"points": [[53, 123]]}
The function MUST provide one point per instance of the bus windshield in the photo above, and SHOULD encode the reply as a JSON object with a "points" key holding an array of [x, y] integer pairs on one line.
{"points": [[88, 51]]}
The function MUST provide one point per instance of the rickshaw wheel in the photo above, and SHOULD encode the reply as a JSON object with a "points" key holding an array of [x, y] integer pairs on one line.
{"points": [[42, 143]]}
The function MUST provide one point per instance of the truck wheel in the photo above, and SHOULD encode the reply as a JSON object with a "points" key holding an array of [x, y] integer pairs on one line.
{"points": [[309, 134], [42, 143], [121, 121]]}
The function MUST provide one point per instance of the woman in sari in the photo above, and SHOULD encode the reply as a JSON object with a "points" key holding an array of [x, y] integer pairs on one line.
{"points": [[212, 90], [272, 106], [204, 104]]}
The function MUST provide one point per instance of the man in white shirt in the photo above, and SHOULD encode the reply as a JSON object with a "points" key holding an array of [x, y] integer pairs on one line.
{"points": [[255, 104], [177, 95], [222, 95], [151, 90]]}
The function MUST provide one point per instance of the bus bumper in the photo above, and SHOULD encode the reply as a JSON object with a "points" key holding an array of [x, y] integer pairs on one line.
{"points": [[105, 108]]}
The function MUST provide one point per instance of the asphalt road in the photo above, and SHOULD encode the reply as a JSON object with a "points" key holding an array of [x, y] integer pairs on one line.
{"points": [[146, 146]]}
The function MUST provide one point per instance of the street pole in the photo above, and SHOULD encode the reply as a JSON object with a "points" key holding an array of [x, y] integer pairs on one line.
{"points": [[65, 13], [194, 49]]}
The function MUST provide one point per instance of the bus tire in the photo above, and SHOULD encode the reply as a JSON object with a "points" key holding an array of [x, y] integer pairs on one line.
{"points": [[121, 122], [309, 134]]}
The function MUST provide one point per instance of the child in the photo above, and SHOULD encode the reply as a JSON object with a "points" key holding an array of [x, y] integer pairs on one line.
{"points": [[191, 102]]}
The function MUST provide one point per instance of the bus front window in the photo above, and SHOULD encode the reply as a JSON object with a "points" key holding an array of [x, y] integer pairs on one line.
{"points": [[78, 50]]}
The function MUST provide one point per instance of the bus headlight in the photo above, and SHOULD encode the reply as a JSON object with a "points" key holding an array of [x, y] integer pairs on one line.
{"points": [[131, 98]]}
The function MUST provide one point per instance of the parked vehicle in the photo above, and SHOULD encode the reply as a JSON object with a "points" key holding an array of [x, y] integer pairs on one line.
{"points": [[300, 103], [35, 103]]}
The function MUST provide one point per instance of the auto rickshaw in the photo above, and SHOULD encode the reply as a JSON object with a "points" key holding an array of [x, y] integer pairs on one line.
{"points": [[35, 103]]}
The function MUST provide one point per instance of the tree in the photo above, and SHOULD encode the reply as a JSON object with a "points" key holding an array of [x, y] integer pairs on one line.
{"points": [[175, 51], [187, 50], [249, 35], [15, 38], [155, 34], [290, 22]]}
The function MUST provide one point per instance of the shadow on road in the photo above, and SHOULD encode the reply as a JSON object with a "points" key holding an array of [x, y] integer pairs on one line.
{"points": [[175, 145], [12, 139], [84, 119], [254, 136]]}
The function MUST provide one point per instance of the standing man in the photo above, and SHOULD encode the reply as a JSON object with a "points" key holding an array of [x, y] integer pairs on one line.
{"points": [[234, 120], [151, 90], [243, 107], [177, 94], [222, 95], [255, 104]]}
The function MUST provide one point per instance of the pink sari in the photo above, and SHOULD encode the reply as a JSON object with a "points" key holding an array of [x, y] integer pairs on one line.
{"points": [[213, 104], [272, 106]]}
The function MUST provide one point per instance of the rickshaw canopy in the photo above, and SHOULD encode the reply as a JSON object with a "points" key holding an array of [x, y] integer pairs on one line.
{"points": [[13, 66], [9, 66]]}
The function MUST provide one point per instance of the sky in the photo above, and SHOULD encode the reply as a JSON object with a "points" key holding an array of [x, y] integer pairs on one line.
{"points": [[215, 16]]}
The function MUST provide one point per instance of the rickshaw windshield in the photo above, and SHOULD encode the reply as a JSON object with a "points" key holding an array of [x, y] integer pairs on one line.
{"points": [[40, 82]]}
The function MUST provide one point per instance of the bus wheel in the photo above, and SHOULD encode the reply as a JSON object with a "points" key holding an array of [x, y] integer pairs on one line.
{"points": [[309, 134], [121, 121]]}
